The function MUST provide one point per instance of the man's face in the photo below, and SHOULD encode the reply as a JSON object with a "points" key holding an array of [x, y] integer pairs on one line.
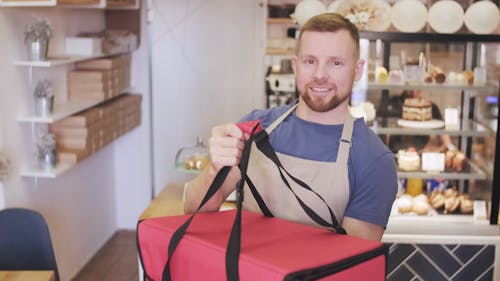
{"points": [[325, 68]]}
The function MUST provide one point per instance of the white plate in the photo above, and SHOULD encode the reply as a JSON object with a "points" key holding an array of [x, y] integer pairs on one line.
{"points": [[446, 16], [307, 9], [430, 124], [482, 17], [365, 14], [409, 15]]}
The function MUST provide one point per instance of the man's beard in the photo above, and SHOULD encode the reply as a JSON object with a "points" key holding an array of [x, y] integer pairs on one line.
{"points": [[320, 105]]}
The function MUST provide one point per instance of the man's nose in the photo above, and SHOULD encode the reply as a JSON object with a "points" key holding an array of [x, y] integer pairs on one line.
{"points": [[320, 73]]}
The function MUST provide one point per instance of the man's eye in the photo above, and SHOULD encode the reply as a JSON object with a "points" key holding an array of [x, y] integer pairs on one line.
{"points": [[309, 61], [336, 63]]}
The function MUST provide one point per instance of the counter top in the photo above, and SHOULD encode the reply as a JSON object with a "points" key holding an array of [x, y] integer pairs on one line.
{"points": [[169, 202], [22, 275]]}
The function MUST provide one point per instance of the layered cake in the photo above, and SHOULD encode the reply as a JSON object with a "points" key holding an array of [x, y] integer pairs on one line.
{"points": [[408, 160], [417, 109]]}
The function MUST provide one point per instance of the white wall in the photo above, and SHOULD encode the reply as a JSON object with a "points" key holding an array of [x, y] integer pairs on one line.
{"points": [[207, 61], [80, 206]]}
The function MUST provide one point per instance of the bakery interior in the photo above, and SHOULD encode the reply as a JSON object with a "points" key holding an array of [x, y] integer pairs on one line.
{"points": [[134, 87]]}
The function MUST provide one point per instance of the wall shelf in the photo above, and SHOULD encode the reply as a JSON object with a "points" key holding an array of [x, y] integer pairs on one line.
{"points": [[472, 172], [61, 111], [64, 110], [89, 4], [57, 61], [34, 172], [437, 87], [389, 126]]}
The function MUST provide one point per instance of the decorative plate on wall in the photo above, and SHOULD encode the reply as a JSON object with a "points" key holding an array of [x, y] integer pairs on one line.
{"points": [[446, 16], [368, 15], [409, 15], [482, 17]]}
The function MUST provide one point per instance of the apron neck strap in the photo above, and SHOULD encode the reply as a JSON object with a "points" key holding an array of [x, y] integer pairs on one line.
{"points": [[345, 139]]}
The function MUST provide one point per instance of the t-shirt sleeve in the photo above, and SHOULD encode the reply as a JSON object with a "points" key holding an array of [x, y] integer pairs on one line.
{"points": [[375, 191]]}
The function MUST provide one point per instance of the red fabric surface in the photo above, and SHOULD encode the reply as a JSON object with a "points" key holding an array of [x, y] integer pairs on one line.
{"points": [[270, 248], [247, 126]]}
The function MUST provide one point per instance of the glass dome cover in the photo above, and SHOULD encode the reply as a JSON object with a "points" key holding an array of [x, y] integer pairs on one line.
{"points": [[192, 158]]}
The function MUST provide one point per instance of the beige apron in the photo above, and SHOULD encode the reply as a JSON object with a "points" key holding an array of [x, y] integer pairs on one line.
{"points": [[329, 179]]}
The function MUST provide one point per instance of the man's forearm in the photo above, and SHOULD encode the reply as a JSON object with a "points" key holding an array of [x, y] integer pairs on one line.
{"points": [[196, 189]]}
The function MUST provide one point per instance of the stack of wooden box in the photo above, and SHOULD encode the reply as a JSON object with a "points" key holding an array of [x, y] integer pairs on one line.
{"points": [[84, 133], [99, 79]]}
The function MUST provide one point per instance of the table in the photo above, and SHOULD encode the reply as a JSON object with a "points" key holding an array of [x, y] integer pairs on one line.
{"points": [[169, 203], [27, 275]]}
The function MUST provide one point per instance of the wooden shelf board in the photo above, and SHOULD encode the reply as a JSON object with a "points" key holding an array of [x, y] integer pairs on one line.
{"points": [[32, 3], [280, 21], [56, 61], [60, 112]]}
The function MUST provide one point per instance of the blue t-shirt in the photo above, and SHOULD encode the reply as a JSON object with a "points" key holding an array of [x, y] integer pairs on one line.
{"points": [[371, 165]]}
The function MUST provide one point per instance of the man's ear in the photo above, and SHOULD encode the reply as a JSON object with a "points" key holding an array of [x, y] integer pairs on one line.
{"points": [[358, 69]]}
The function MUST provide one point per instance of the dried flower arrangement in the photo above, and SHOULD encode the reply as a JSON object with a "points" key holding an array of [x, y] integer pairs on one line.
{"points": [[43, 89], [45, 151], [39, 30]]}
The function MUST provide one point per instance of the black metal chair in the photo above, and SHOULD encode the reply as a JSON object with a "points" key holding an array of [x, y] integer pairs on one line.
{"points": [[25, 242]]}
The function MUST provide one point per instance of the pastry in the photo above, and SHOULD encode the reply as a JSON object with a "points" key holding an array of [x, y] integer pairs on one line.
{"points": [[408, 160], [418, 109], [450, 192], [466, 205], [196, 162], [396, 76], [404, 204], [451, 204], [455, 160], [381, 74], [440, 78], [469, 76], [420, 207], [428, 79], [437, 200], [459, 161]]}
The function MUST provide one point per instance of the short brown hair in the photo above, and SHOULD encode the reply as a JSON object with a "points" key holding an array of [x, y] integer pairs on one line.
{"points": [[330, 22]]}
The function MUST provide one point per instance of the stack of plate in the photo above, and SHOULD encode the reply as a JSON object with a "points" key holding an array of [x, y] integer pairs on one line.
{"points": [[446, 16], [482, 17], [409, 15]]}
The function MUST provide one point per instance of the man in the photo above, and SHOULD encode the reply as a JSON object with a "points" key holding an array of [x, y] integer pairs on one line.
{"points": [[317, 140]]}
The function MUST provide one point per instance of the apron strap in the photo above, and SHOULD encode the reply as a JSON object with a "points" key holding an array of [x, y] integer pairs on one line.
{"points": [[345, 140], [262, 142], [280, 119]]}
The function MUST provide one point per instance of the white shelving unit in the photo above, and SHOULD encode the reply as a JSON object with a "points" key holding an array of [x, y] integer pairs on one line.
{"points": [[61, 111]]}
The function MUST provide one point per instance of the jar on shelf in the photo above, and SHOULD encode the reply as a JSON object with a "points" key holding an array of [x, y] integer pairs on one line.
{"points": [[192, 158]]}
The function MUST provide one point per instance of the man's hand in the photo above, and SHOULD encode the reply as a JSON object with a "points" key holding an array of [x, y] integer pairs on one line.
{"points": [[225, 146]]}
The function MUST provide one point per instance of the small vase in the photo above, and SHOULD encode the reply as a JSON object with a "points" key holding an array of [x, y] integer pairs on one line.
{"points": [[47, 161], [44, 106], [37, 50]]}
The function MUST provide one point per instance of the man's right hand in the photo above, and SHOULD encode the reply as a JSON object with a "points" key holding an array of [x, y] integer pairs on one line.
{"points": [[225, 146]]}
